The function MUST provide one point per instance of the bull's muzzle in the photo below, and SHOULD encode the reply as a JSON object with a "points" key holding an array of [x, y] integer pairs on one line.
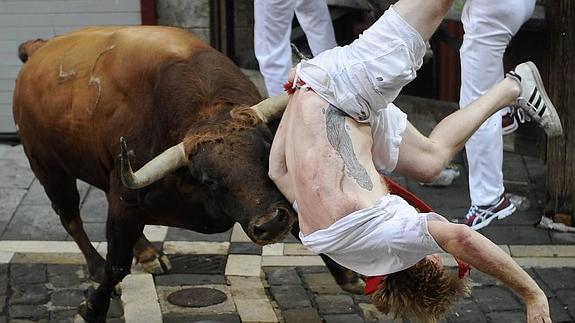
{"points": [[274, 227]]}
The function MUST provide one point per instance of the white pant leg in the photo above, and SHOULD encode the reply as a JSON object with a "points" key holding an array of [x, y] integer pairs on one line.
{"points": [[315, 20], [272, 31], [489, 26]]}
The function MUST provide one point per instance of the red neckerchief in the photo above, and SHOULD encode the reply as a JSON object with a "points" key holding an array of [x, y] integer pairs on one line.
{"points": [[289, 88], [372, 283]]}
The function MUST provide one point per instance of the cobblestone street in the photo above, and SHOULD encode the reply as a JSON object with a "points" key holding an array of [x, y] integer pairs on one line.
{"points": [[43, 276]]}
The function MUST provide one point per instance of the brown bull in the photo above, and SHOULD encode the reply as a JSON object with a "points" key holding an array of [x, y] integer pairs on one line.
{"points": [[185, 111]]}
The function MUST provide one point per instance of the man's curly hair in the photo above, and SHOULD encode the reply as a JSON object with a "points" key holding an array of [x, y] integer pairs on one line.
{"points": [[424, 292]]}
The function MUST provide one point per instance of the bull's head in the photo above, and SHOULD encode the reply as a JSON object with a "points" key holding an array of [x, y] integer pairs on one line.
{"points": [[231, 167]]}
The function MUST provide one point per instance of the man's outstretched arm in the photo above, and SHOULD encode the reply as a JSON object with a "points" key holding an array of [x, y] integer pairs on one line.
{"points": [[478, 251]]}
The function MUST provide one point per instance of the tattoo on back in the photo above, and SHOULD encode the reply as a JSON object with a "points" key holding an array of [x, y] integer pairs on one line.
{"points": [[341, 142]]}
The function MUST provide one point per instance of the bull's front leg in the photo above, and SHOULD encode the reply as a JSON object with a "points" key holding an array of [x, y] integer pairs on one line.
{"points": [[122, 232]]}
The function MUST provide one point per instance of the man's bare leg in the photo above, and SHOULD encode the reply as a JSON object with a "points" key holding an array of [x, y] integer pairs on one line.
{"points": [[423, 15], [478, 251], [450, 135]]}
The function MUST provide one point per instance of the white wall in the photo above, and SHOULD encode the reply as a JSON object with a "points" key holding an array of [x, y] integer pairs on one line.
{"points": [[22, 20]]}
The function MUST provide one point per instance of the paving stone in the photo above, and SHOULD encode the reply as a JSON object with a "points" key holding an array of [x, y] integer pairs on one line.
{"points": [[35, 222], [95, 206], [283, 276], [10, 198], [247, 288], [559, 312], [68, 297], [2, 318], [297, 249], [439, 197], [530, 217], [496, 299], [345, 318], [3, 284], [567, 299], [562, 238], [3, 300], [301, 315], [177, 234], [245, 248], [36, 195], [312, 269], [196, 247], [189, 279], [28, 273], [519, 234], [67, 276], [243, 265], [557, 278], [255, 311], [33, 294], [507, 317], [95, 231], [48, 258], [238, 234], [14, 175], [31, 312], [542, 251], [480, 279], [197, 264], [276, 249], [334, 304], [291, 261], [63, 315], [322, 283], [220, 318], [4, 268], [514, 168], [466, 311], [290, 296], [115, 320]]}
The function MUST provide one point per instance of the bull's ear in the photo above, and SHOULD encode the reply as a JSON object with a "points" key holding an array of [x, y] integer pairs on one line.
{"points": [[163, 164], [271, 108]]}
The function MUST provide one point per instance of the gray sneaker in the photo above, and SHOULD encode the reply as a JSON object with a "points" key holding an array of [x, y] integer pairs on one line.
{"points": [[479, 217], [534, 99]]}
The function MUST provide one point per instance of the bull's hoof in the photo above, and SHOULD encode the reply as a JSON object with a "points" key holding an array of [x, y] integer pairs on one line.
{"points": [[89, 315], [157, 265]]}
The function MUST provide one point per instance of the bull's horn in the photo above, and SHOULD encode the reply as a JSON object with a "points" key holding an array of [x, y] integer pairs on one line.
{"points": [[163, 164], [271, 108]]}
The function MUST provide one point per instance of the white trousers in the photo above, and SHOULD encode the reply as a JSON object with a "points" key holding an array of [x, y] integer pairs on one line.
{"points": [[489, 26], [272, 32]]}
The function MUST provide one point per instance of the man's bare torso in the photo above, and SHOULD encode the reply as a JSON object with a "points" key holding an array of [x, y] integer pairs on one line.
{"points": [[328, 158]]}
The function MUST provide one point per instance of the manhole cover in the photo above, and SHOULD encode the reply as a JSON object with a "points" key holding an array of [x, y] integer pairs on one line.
{"points": [[197, 297]]}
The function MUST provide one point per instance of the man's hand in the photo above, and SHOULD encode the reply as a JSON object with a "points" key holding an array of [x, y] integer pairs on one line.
{"points": [[538, 309]]}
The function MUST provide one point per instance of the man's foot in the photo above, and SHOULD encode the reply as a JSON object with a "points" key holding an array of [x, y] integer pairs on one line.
{"points": [[479, 217], [534, 99]]}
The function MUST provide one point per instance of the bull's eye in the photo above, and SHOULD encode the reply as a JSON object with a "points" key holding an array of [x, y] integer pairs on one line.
{"points": [[212, 184]]}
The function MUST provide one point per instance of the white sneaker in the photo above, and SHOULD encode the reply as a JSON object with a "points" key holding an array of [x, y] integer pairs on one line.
{"points": [[534, 99]]}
